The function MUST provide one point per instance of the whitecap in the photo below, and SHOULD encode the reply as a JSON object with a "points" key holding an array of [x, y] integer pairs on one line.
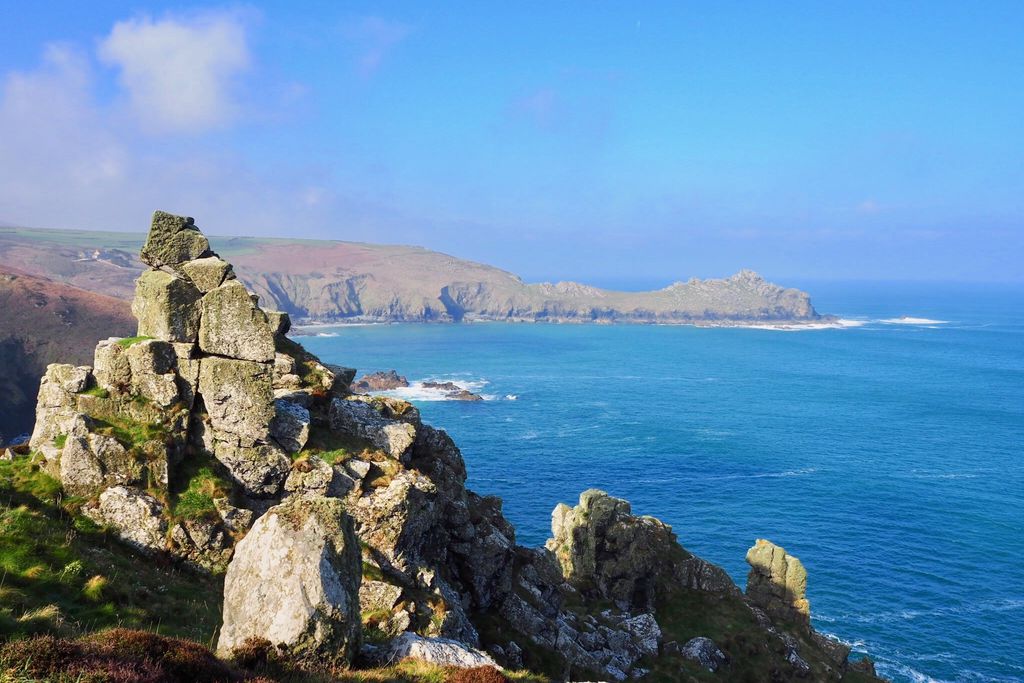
{"points": [[910, 320], [416, 391], [837, 324]]}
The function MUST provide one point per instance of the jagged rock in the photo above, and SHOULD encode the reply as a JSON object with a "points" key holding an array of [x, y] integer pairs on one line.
{"points": [[440, 651], [379, 381], [777, 583], [207, 273], [166, 307], [111, 367], [343, 375], [152, 363], [314, 476], [834, 649], [233, 326], [234, 518], [864, 665], [238, 396], [290, 425], [605, 550], [280, 322], [701, 650], [260, 469], [57, 411], [294, 580], [137, 517], [173, 240], [7, 455], [363, 419]]}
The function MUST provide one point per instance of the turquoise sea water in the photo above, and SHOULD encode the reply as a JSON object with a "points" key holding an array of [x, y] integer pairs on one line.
{"points": [[888, 456]]}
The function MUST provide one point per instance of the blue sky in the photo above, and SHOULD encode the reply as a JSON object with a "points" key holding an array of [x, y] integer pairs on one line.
{"points": [[609, 142]]}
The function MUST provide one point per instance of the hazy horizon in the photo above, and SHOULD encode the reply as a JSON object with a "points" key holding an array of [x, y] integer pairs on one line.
{"points": [[608, 144]]}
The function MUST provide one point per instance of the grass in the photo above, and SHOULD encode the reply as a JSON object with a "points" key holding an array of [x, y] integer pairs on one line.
{"points": [[60, 574], [97, 391], [331, 447], [130, 433], [196, 484], [60, 440], [129, 341]]}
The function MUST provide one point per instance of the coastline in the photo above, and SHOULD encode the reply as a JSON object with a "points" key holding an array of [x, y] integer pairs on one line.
{"points": [[306, 327]]}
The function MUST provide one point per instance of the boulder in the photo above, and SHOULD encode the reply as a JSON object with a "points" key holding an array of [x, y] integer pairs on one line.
{"points": [[136, 516], [152, 363], [233, 326], [166, 307], [202, 543], [314, 476], [290, 426], [91, 462], [777, 583], [439, 651], [367, 420], [207, 273], [259, 470], [294, 580], [238, 397], [379, 381], [173, 240], [111, 367]]}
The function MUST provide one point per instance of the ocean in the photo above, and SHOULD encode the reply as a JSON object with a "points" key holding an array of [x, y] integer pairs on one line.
{"points": [[886, 455]]}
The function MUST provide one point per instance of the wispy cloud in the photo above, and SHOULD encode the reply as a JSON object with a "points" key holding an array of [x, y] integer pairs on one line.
{"points": [[180, 73], [68, 158], [374, 38]]}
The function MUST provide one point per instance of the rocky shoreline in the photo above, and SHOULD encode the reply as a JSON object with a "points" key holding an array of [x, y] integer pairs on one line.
{"points": [[343, 525]]}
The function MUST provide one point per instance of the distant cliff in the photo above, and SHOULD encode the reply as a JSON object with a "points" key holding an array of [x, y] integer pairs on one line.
{"points": [[41, 322], [331, 281]]}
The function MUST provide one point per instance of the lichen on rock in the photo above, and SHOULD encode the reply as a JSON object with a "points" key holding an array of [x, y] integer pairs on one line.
{"points": [[294, 580]]}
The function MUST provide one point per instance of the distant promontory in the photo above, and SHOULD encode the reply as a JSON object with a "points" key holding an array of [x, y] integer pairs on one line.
{"points": [[339, 282]]}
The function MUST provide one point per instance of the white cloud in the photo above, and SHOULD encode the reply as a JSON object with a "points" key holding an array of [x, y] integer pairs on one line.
{"points": [[179, 73], [68, 159]]}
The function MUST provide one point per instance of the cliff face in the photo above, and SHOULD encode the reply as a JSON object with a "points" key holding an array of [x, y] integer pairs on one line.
{"points": [[42, 322], [343, 521], [339, 281]]}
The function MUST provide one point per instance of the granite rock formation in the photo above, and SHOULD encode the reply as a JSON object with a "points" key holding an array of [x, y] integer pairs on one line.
{"points": [[214, 439]]}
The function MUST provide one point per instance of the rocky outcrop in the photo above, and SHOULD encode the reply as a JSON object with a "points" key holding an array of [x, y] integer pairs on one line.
{"points": [[379, 381], [606, 551], [294, 580], [215, 439], [777, 583]]}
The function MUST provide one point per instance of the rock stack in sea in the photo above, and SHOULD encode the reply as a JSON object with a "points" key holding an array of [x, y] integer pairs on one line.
{"points": [[214, 439]]}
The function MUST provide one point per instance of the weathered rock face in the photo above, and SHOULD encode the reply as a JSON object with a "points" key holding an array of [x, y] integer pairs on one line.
{"points": [[165, 306], [777, 583], [136, 515], [602, 548], [207, 273], [172, 241], [234, 326], [294, 580]]}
